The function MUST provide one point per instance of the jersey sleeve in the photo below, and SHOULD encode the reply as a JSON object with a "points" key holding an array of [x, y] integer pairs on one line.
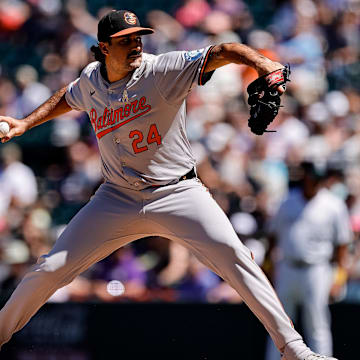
{"points": [[178, 72], [74, 95]]}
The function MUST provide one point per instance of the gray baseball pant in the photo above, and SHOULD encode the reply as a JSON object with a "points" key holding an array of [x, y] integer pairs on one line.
{"points": [[184, 212]]}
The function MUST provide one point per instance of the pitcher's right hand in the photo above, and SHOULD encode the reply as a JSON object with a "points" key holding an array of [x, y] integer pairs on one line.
{"points": [[17, 127]]}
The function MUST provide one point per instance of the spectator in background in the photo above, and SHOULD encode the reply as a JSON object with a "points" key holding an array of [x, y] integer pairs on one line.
{"points": [[311, 227], [18, 184], [192, 281], [124, 266], [15, 255], [197, 283], [353, 293]]}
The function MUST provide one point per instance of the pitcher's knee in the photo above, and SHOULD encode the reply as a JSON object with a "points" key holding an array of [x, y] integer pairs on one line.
{"points": [[226, 255], [53, 262], [56, 267]]}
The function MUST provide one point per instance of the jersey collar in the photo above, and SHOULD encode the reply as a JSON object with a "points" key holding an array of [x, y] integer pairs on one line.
{"points": [[128, 81]]}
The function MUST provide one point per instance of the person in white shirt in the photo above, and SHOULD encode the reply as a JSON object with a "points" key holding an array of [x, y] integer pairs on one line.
{"points": [[17, 180], [311, 231]]}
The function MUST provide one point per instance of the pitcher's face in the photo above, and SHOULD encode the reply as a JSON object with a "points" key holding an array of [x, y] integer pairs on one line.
{"points": [[123, 53]]}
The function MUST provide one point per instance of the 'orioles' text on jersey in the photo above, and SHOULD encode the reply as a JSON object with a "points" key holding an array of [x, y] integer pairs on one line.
{"points": [[139, 121]]}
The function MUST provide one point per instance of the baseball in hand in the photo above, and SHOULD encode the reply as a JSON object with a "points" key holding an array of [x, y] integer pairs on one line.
{"points": [[4, 128]]}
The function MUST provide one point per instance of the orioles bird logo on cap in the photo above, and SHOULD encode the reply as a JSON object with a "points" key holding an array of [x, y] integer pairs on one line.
{"points": [[130, 18]]}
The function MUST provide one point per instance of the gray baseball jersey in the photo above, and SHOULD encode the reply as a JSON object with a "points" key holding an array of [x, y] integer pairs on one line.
{"points": [[139, 121]]}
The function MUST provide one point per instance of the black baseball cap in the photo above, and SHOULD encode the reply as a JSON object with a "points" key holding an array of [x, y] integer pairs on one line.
{"points": [[119, 23]]}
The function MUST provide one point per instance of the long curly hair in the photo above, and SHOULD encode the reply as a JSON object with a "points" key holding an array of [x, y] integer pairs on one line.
{"points": [[98, 55]]}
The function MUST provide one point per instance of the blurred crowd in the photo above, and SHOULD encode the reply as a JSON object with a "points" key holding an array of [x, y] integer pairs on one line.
{"points": [[49, 173]]}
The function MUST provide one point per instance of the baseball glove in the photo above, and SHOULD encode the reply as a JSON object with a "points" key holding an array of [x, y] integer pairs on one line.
{"points": [[264, 99]]}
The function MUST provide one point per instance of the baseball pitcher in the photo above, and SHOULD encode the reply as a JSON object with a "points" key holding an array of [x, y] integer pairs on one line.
{"points": [[136, 105]]}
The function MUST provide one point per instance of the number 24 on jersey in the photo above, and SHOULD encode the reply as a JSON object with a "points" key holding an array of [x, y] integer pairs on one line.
{"points": [[152, 137]]}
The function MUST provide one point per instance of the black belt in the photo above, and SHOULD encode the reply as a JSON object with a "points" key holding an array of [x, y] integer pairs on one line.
{"points": [[190, 175]]}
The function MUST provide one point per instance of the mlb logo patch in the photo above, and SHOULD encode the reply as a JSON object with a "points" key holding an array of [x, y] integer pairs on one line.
{"points": [[130, 18], [193, 55]]}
